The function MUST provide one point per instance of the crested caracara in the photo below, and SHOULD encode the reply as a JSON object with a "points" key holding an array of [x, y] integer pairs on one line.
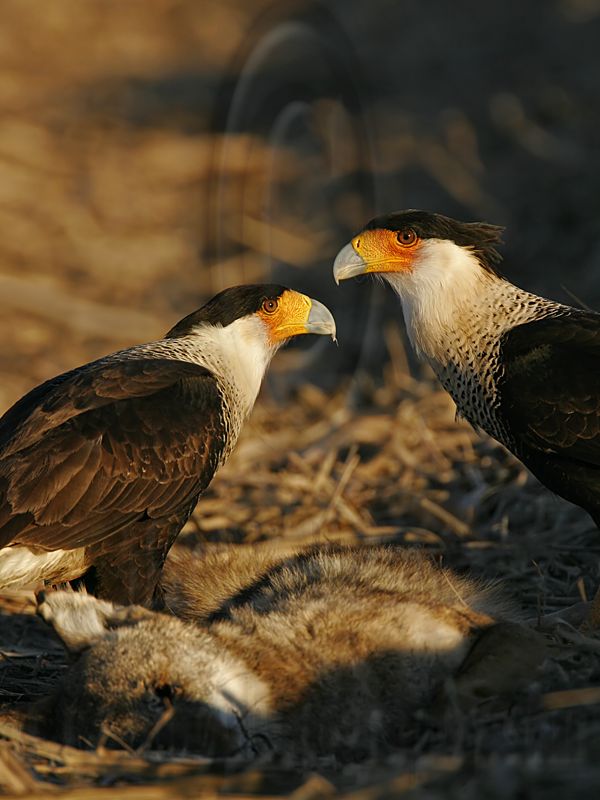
{"points": [[101, 467], [524, 369]]}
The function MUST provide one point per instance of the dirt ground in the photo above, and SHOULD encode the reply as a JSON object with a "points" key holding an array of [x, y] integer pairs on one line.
{"points": [[151, 154]]}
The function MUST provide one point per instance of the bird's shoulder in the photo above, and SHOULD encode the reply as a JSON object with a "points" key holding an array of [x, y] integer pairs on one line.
{"points": [[98, 448], [549, 389], [98, 386], [552, 341]]}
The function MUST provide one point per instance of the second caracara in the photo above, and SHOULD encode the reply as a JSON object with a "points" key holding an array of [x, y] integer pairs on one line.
{"points": [[101, 467], [524, 369]]}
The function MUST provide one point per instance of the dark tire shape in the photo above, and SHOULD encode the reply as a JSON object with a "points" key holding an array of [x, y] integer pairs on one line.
{"points": [[292, 62]]}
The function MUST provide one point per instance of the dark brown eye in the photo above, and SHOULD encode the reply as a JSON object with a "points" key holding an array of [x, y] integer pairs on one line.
{"points": [[269, 306], [406, 237]]}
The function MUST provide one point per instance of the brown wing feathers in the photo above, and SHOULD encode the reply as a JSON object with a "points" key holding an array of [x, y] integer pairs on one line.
{"points": [[96, 385], [83, 457], [550, 398], [127, 569], [551, 388]]}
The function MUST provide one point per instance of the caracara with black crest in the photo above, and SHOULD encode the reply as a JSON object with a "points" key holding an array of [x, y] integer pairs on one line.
{"points": [[523, 368], [101, 467]]}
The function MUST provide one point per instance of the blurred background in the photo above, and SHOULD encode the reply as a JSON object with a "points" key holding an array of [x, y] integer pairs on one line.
{"points": [[153, 152]]}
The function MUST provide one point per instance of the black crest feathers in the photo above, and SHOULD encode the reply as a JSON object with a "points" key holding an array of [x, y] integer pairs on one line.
{"points": [[480, 237], [227, 306]]}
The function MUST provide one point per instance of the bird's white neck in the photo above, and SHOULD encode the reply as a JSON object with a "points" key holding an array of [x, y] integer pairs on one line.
{"points": [[453, 306], [446, 285], [456, 314], [239, 354]]}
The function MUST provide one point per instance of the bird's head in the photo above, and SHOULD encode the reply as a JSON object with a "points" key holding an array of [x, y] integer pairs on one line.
{"points": [[420, 252], [266, 312], [241, 328]]}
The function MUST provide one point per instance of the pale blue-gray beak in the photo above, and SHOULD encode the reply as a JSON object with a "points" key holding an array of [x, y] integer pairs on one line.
{"points": [[320, 320], [348, 264]]}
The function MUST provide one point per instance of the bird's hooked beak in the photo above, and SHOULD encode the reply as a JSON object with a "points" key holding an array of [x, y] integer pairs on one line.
{"points": [[348, 264], [298, 314], [376, 250], [320, 319]]}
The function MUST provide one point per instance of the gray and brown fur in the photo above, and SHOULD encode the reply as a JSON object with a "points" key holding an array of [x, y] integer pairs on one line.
{"points": [[325, 650]]}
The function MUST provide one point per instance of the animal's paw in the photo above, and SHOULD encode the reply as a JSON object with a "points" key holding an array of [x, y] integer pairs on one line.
{"points": [[81, 619]]}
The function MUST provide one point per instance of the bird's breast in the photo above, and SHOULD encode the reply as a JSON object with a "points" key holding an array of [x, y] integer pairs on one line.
{"points": [[32, 567], [466, 352], [471, 379]]}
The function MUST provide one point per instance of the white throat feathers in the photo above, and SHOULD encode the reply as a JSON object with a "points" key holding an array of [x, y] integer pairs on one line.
{"points": [[451, 303], [445, 285], [456, 313], [239, 355]]}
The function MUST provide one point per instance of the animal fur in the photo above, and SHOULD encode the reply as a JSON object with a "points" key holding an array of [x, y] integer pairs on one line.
{"points": [[321, 650]]}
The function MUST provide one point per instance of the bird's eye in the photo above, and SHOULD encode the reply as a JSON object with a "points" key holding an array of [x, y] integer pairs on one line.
{"points": [[406, 237], [269, 306]]}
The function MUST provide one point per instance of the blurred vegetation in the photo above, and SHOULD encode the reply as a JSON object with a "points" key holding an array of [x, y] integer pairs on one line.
{"points": [[153, 152]]}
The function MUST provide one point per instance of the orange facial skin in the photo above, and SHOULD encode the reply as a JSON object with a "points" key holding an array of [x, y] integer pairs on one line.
{"points": [[289, 317], [383, 250], [292, 314]]}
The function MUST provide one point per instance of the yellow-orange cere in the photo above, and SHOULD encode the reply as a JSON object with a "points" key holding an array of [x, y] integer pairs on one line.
{"points": [[292, 314], [383, 250]]}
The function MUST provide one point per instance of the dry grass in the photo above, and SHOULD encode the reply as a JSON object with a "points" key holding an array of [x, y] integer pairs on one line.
{"points": [[399, 468]]}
